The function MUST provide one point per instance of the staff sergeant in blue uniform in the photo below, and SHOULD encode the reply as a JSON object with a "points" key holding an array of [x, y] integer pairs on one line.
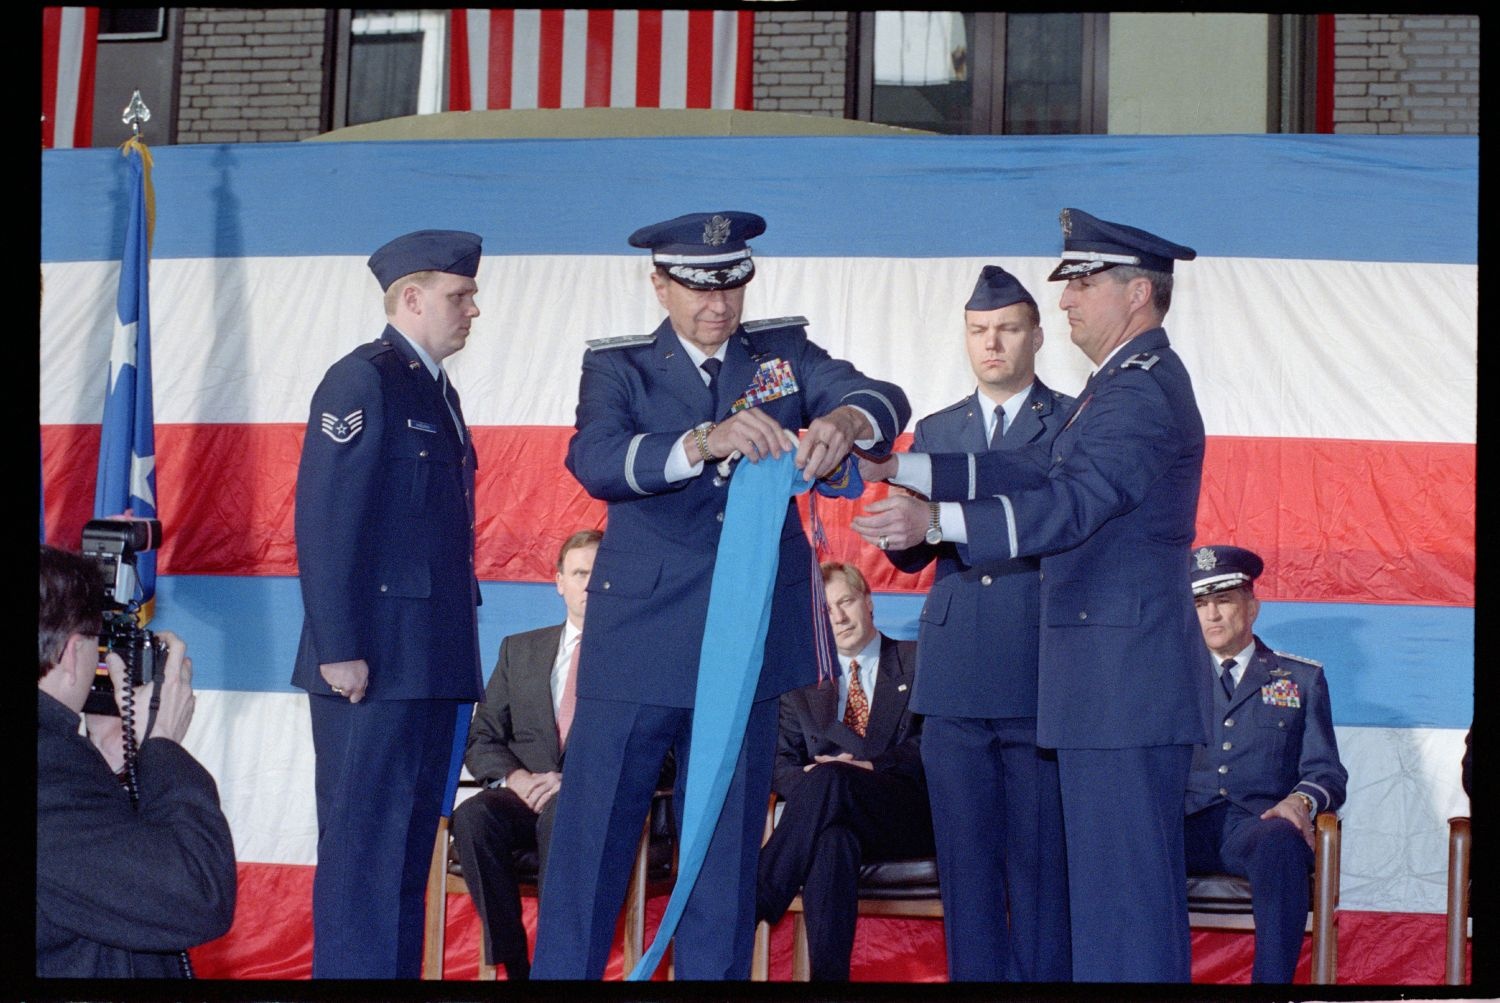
{"points": [[1272, 766], [385, 549], [997, 811], [1110, 509], [656, 415]]}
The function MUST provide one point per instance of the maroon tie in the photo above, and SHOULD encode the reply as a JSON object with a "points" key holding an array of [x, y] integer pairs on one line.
{"points": [[857, 709]]}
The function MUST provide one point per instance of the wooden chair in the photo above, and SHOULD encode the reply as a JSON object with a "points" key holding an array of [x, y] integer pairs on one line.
{"points": [[1459, 839], [652, 872], [1222, 901], [906, 888]]}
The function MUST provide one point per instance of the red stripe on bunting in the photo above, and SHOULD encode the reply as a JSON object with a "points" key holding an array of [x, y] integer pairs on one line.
{"points": [[550, 59], [700, 59], [648, 59], [272, 939], [1336, 520], [599, 58], [502, 52], [744, 71], [51, 39], [460, 73]]}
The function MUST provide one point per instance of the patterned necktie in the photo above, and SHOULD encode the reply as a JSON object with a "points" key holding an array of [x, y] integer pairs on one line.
{"points": [[857, 709], [1226, 677], [711, 367], [999, 432], [450, 397], [569, 702]]}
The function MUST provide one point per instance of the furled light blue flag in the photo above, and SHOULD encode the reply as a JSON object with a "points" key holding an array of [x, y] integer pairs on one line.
{"points": [[734, 641], [127, 438]]}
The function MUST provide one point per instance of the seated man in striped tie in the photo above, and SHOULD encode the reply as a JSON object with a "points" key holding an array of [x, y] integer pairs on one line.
{"points": [[849, 768], [515, 750], [1272, 766]]}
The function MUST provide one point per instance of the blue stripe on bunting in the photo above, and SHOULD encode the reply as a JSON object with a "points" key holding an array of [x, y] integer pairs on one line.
{"points": [[908, 196], [1388, 666]]}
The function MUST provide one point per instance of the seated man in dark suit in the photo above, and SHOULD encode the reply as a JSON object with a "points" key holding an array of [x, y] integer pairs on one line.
{"points": [[1272, 766], [515, 750], [849, 768]]}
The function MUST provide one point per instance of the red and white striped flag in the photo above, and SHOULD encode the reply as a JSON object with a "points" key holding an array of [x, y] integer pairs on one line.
{"points": [[600, 59], [70, 36]]}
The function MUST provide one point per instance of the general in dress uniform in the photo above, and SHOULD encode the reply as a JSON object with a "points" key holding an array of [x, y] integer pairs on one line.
{"points": [[657, 415], [1272, 766]]}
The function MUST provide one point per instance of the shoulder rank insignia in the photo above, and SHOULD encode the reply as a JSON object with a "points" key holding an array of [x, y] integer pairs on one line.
{"points": [[623, 341], [772, 380], [1143, 361], [341, 430], [1298, 658], [1281, 693], [765, 325]]}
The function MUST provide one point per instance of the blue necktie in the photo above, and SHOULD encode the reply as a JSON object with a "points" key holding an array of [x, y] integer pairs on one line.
{"points": [[1226, 677], [999, 432], [711, 367]]}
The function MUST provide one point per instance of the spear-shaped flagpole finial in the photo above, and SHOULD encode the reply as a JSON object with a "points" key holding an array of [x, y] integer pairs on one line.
{"points": [[136, 114]]}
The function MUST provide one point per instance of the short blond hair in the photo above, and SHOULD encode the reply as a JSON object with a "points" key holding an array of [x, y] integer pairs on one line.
{"points": [[393, 291], [849, 573]]}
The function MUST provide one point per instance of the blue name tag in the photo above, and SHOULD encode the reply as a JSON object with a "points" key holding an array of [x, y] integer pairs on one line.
{"points": [[421, 426]]}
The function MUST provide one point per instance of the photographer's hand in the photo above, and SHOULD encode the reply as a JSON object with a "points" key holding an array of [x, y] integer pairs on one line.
{"points": [[175, 710], [347, 679]]}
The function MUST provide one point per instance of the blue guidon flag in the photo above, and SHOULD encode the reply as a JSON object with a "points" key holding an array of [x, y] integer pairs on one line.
{"points": [[127, 438]]}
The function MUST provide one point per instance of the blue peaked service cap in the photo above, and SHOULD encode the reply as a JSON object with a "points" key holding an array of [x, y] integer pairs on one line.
{"points": [[1221, 568], [704, 250], [997, 288], [1092, 245], [452, 251]]}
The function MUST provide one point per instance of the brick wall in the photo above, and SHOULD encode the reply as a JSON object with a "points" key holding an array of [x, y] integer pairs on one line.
{"points": [[250, 76], [800, 58], [1406, 74]]}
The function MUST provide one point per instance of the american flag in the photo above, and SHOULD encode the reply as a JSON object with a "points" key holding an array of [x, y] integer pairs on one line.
{"points": [[69, 39], [600, 59]]}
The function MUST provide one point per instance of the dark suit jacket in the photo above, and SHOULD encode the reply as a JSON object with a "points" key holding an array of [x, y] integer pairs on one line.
{"points": [[978, 641], [1279, 729], [648, 595], [121, 889], [809, 726], [1110, 508], [385, 530], [514, 727]]}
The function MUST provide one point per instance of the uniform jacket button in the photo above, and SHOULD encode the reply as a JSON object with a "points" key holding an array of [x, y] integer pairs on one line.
{"points": [[385, 588], [423, 453], [1229, 722], [1083, 616], [1223, 768], [986, 580], [1227, 746], [1223, 792], [606, 585], [719, 517]]}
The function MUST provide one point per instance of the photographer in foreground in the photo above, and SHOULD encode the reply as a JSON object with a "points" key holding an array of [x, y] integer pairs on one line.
{"points": [[122, 888]]}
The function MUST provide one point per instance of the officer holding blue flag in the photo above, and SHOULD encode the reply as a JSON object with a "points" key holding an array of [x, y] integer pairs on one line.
{"points": [[1109, 507], [660, 417], [390, 647]]}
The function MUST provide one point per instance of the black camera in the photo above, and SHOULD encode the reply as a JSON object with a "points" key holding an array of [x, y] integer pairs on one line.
{"points": [[113, 544]]}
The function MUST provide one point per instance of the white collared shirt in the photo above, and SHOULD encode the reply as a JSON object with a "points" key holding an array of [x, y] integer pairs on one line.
{"points": [[562, 662], [869, 671], [1241, 661]]}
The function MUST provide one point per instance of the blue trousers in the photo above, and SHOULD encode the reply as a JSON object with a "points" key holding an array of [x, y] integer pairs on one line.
{"points": [[382, 766], [615, 752], [1227, 839], [1122, 812], [998, 822]]}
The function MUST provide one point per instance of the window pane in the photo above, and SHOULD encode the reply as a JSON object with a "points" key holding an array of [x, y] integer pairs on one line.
{"points": [[1043, 73], [922, 78], [125, 23], [384, 73]]}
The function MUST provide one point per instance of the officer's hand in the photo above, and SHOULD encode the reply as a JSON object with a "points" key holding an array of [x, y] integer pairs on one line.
{"points": [[1294, 810], [893, 523], [752, 433], [871, 471], [347, 679], [828, 440]]}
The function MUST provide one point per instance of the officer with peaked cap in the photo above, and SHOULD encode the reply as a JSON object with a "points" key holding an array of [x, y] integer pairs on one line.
{"points": [[1110, 508], [656, 415], [389, 648], [997, 810], [1271, 767]]}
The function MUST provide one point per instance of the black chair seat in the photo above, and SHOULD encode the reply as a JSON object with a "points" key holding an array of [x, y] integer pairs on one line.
{"points": [[1218, 893], [899, 879]]}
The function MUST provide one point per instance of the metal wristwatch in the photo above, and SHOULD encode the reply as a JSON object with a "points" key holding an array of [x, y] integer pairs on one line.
{"points": [[934, 527]]}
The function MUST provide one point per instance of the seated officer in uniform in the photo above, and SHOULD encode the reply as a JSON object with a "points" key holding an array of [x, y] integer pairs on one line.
{"points": [[1272, 766], [515, 749], [850, 770]]}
